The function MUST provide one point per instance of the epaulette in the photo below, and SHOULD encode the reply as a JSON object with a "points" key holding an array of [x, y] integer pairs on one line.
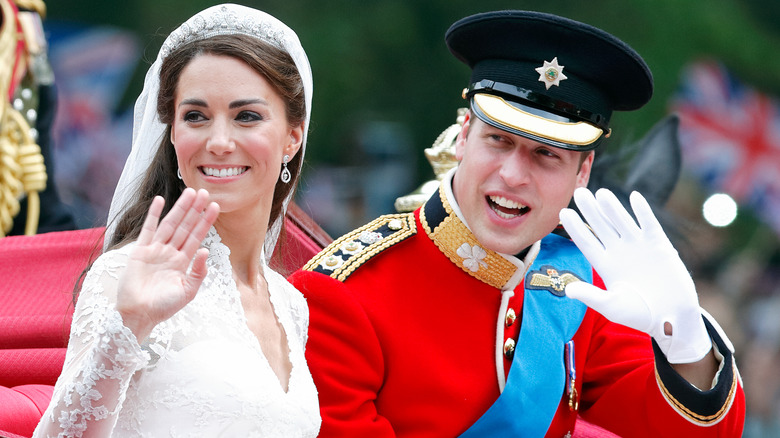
{"points": [[342, 257]]}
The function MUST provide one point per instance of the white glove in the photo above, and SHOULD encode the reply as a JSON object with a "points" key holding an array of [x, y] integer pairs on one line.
{"points": [[647, 283]]}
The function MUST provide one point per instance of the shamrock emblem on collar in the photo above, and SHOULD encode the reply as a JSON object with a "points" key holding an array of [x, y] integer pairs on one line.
{"points": [[472, 257]]}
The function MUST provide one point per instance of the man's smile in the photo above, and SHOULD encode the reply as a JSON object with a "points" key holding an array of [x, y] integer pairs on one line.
{"points": [[506, 208]]}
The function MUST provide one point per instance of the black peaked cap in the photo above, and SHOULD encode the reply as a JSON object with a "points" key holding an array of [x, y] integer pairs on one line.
{"points": [[602, 72]]}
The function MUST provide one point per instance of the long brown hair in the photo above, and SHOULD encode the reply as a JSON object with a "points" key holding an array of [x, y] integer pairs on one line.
{"points": [[273, 63]]}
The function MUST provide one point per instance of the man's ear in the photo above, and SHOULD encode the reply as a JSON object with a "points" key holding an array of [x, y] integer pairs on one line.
{"points": [[460, 142], [583, 175]]}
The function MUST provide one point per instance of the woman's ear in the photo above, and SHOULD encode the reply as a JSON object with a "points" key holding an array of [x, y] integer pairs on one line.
{"points": [[296, 140]]}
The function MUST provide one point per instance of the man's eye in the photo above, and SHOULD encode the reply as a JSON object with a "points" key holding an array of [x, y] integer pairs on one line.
{"points": [[497, 140]]}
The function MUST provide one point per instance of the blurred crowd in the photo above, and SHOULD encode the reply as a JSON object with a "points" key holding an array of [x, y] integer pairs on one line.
{"points": [[740, 286]]}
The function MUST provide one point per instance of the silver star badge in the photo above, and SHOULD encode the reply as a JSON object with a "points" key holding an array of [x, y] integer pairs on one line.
{"points": [[551, 73]]}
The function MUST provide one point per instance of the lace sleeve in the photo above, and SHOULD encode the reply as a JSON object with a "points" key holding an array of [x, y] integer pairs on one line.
{"points": [[102, 356]]}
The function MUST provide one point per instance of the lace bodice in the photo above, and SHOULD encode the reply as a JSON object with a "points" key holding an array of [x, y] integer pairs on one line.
{"points": [[200, 373]]}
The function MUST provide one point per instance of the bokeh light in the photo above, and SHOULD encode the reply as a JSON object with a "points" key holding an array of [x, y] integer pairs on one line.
{"points": [[719, 210]]}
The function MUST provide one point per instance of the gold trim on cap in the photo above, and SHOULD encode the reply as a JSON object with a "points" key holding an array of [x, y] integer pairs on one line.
{"points": [[502, 112]]}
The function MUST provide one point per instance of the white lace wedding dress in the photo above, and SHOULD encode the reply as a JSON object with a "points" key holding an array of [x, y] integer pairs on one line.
{"points": [[201, 373]]}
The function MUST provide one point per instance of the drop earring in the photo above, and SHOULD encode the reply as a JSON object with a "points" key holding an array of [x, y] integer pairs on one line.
{"points": [[285, 176]]}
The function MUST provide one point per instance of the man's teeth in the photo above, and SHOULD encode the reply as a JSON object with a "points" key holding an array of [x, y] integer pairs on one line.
{"points": [[506, 203], [231, 171], [505, 215], [516, 208]]}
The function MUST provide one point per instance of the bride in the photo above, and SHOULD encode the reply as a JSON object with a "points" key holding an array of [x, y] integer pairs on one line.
{"points": [[181, 328]]}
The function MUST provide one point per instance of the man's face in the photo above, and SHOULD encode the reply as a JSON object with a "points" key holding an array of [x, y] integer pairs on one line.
{"points": [[510, 189]]}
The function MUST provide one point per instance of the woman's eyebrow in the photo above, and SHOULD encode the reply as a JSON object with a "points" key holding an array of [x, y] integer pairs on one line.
{"points": [[193, 102], [244, 102]]}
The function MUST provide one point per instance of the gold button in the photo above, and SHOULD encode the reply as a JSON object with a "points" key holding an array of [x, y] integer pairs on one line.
{"points": [[511, 317], [509, 348]]}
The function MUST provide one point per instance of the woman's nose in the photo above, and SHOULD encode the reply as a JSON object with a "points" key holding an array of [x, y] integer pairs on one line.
{"points": [[220, 141]]}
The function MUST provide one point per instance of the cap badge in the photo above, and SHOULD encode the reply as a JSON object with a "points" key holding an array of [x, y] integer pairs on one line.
{"points": [[551, 73]]}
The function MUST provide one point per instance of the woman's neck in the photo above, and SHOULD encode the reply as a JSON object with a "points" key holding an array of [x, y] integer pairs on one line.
{"points": [[246, 239]]}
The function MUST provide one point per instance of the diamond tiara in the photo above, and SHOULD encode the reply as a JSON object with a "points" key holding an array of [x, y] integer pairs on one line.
{"points": [[224, 21]]}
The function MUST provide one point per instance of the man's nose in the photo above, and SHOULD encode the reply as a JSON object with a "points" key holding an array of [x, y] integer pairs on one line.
{"points": [[515, 170]]}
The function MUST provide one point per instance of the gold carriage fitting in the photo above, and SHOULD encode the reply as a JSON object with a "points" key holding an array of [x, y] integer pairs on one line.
{"points": [[23, 67]]}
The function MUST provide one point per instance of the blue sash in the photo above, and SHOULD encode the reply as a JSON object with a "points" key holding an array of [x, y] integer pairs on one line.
{"points": [[536, 380]]}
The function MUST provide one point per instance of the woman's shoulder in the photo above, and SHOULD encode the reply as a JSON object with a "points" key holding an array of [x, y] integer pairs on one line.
{"points": [[294, 303], [114, 255], [277, 281], [110, 264]]}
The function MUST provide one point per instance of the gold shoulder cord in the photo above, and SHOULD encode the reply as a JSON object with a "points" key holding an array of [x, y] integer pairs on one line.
{"points": [[22, 170], [34, 5]]}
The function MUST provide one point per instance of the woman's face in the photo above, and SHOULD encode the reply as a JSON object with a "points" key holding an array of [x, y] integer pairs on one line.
{"points": [[230, 132]]}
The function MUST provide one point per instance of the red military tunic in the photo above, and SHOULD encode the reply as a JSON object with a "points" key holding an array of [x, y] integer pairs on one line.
{"points": [[405, 339]]}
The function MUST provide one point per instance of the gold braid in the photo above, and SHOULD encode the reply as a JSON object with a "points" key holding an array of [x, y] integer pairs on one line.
{"points": [[21, 164], [33, 5]]}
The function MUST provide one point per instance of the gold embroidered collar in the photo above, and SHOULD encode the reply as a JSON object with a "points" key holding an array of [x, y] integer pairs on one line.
{"points": [[459, 244]]}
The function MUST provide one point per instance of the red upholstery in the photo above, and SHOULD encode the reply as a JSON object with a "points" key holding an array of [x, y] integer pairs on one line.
{"points": [[22, 407], [37, 275]]}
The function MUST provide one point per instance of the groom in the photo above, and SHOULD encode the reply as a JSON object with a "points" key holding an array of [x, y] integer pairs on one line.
{"points": [[460, 319]]}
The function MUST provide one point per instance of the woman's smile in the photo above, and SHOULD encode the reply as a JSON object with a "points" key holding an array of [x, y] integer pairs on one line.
{"points": [[223, 172]]}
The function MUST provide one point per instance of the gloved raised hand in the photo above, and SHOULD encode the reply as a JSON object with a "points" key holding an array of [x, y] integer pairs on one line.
{"points": [[647, 283]]}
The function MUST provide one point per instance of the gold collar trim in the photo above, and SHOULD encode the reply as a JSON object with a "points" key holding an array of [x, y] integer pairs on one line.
{"points": [[458, 243]]}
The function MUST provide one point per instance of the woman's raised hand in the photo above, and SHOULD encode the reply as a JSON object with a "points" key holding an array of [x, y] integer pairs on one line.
{"points": [[158, 280]]}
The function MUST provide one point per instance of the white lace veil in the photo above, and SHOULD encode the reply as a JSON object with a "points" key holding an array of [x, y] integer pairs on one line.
{"points": [[225, 19]]}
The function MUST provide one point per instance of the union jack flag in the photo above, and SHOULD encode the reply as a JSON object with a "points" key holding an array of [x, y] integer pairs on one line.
{"points": [[730, 136]]}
